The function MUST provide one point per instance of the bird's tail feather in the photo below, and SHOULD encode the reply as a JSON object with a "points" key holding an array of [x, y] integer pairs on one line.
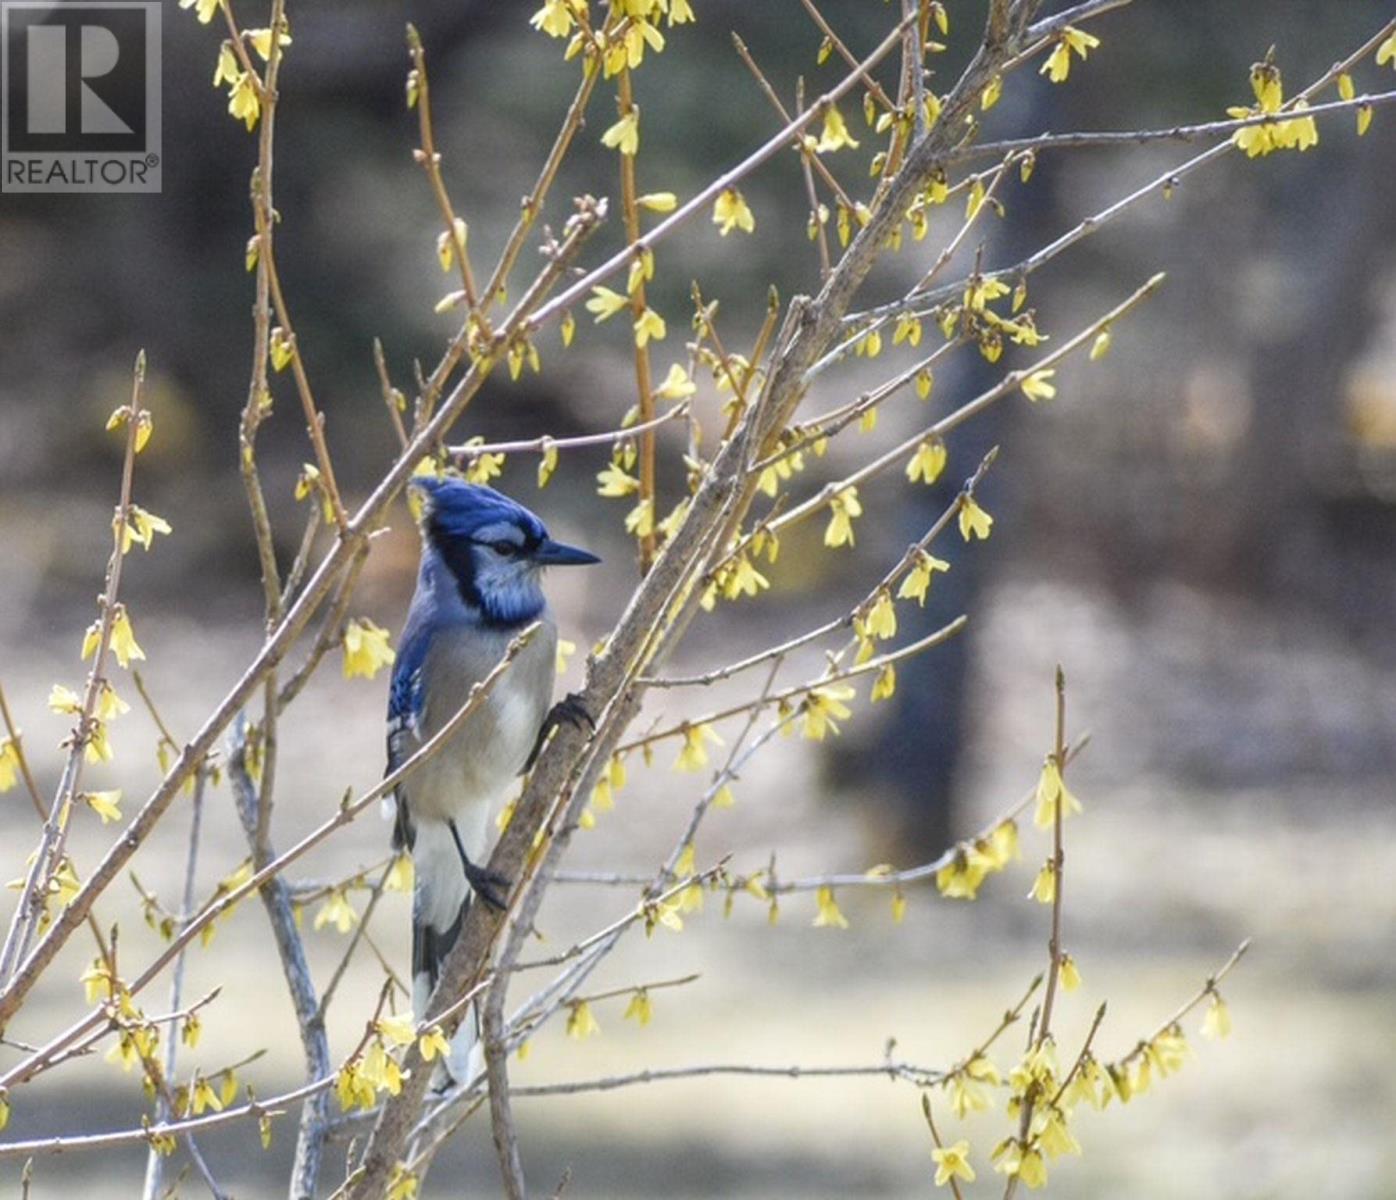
{"points": [[440, 900]]}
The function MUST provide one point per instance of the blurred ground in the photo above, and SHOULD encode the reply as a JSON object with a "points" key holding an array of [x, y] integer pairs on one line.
{"points": [[1165, 877]]}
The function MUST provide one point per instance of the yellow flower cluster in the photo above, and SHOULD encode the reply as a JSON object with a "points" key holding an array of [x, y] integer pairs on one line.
{"points": [[1295, 133], [245, 88], [974, 861], [371, 1071]]}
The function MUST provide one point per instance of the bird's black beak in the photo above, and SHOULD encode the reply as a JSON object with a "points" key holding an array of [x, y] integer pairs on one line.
{"points": [[555, 554]]}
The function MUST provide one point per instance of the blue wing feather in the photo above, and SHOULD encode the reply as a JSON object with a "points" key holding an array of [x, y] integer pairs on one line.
{"points": [[406, 696]]}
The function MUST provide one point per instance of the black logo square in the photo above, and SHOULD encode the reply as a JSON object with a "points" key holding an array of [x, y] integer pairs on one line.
{"points": [[77, 79]]}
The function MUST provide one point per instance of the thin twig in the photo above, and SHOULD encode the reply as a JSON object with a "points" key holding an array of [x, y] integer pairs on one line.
{"points": [[155, 1161], [541, 445], [32, 903]]}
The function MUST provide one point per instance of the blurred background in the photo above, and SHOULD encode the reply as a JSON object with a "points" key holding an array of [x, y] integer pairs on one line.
{"points": [[1199, 528]]}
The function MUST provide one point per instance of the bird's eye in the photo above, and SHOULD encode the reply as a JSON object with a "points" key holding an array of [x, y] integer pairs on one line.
{"points": [[507, 549]]}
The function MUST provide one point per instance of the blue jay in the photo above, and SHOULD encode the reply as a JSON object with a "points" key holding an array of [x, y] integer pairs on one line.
{"points": [[479, 583]]}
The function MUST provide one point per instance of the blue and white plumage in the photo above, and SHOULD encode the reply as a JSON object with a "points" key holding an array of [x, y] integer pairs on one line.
{"points": [[479, 583]]}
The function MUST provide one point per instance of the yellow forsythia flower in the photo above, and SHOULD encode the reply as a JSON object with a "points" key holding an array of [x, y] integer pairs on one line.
{"points": [[918, 580], [484, 467], [1056, 1139], [1052, 791], [1297, 133], [1070, 975], [352, 1089], [554, 18], [1058, 64], [834, 135], [730, 212], [580, 1021], [624, 135], [960, 878], [565, 650], [203, 9], [843, 508], [336, 911], [677, 385], [952, 1162], [144, 424], [432, 1043], [366, 649], [694, 755], [974, 521], [401, 1030], [261, 40], [1169, 1051], [9, 764], [447, 245], [243, 101], [1217, 1022], [828, 916], [1027, 1165], [104, 804], [649, 326], [881, 620], [204, 1097], [399, 877], [123, 639], [140, 526], [63, 700], [615, 482], [824, 707], [639, 1007], [380, 1070], [1002, 845], [1037, 386], [403, 1184], [605, 302], [927, 463], [547, 465]]}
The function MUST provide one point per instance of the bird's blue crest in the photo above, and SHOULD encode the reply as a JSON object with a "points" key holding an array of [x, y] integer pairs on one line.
{"points": [[456, 509]]}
